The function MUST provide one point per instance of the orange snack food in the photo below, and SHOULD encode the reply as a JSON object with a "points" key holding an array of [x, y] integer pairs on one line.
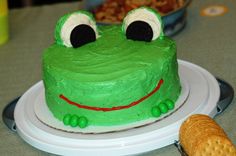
{"points": [[113, 11], [200, 135]]}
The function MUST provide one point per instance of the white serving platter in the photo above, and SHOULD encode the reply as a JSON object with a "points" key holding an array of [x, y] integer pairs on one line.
{"points": [[203, 94]]}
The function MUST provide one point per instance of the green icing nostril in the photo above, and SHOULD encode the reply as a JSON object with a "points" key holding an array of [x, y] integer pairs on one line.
{"points": [[74, 121], [170, 104], [66, 119], [156, 112], [83, 122], [163, 107]]}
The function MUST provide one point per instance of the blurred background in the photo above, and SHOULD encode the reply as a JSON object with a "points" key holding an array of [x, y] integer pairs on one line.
{"points": [[25, 3]]}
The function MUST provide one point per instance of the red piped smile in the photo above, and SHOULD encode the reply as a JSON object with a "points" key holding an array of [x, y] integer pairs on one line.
{"points": [[117, 107]]}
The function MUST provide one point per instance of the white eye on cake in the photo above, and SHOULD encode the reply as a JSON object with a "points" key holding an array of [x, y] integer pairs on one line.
{"points": [[76, 29], [142, 24]]}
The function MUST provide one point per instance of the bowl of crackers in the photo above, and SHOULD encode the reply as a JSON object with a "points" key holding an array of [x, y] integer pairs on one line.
{"points": [[108, 12]]}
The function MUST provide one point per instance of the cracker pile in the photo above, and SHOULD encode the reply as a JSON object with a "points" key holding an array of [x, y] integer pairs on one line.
{"points": [[202, 136]]}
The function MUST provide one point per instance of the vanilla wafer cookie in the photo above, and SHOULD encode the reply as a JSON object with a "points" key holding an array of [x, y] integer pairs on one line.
{"points": [[200, 135]]}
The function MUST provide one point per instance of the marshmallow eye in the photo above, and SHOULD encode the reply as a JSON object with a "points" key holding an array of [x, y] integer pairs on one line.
{"points": [[76, 29], [142, 24]]}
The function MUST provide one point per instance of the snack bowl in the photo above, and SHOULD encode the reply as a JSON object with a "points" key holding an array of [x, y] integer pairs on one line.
{"points": [[174, 21]]}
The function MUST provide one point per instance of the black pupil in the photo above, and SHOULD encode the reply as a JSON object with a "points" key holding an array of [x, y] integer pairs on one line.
{"points": [[140, 31], [81, 35]]}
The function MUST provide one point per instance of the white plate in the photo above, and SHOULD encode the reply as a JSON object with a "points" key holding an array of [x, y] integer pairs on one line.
{"points": [[43, 114], [203, 97]]}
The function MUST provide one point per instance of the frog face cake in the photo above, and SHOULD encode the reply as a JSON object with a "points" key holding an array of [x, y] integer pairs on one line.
{"points": [[110, 75]]}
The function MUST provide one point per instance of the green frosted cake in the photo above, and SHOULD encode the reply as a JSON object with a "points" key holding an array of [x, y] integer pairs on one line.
{"points": [[110, 75]]}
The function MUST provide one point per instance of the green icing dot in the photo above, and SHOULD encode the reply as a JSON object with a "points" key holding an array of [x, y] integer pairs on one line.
{"points": [[156, 112], [66, 119], [170, 104], [163, 107], [74, 121], [83, 122]]}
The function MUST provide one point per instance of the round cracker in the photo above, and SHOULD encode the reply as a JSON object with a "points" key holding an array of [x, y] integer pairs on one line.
{"points": [[214, 146], [199, 131], [193, 125]]}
